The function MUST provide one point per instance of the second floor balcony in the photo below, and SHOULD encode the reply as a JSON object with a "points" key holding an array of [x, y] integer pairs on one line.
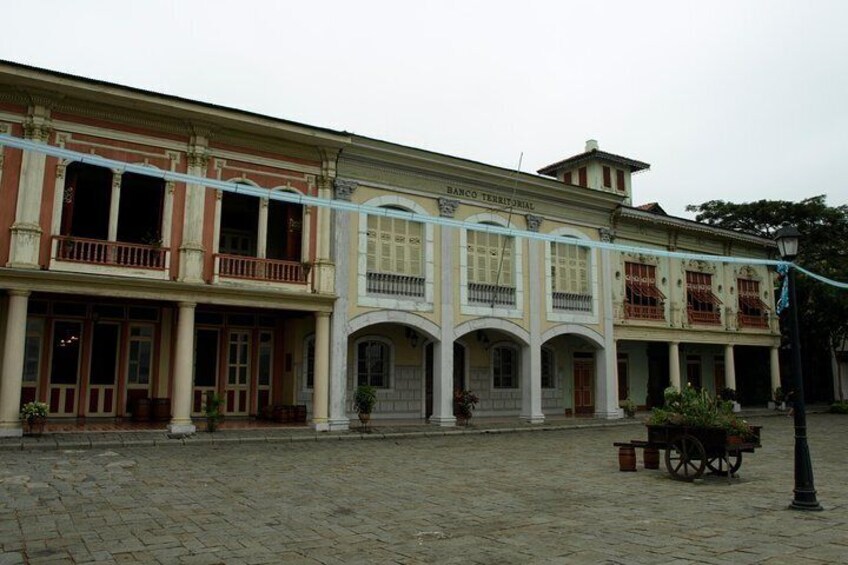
{"points": [[391, 284], [258, 269], [491, 295], [110, 253]]}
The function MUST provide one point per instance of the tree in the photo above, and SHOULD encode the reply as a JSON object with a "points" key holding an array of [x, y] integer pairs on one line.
{"points": [[823, 309]]}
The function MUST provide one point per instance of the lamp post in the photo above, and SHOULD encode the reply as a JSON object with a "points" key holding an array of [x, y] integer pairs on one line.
{"points": [[805, 491]]}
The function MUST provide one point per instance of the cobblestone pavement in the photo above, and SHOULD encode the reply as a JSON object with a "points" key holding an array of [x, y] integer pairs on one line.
{"points": [[536, 497]]}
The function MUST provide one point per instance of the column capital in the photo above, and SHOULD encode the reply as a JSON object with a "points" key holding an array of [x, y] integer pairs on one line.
{"points": [[18, 292], [190, 305], [447, 207], [322, 314], [606, 235], [533, 222], [345, 189]]}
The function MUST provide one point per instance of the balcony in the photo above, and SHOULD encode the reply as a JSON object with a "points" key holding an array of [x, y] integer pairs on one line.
{"points": [[644, 311], [570, 301], [390, 284], [704, 317], [110, 253], [491, 295], [753, 320], [256, 269]]}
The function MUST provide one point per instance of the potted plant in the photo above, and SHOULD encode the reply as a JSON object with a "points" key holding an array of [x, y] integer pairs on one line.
{"points": [[780, 398], [212, 411], [364, 399], [464, 402], [729, 395], [629, 408], [35, 416]]}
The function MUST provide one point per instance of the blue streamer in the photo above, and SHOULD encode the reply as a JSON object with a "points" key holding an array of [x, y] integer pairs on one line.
{"points": [[783, 301], [344, 206]]}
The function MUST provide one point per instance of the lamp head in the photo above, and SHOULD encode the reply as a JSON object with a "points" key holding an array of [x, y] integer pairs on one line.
{"points": [[787, 239]]}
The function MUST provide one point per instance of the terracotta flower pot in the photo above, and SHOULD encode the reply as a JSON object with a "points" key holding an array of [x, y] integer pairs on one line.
{"points": [[35, 425]]}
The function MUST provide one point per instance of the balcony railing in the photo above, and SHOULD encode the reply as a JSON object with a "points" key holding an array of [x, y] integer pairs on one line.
{"points": [[704, 317], [644, 311], [390, 284], [753, 320], [571, 301], [100, 252], [490, 294], [254, 268]]}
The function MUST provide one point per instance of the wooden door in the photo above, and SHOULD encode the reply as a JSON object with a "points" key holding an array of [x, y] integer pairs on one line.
{"points": [[623, 380], [103, 370], [584, 384], [264, 370], [64, 368], [205, 367], [428, 380], [719, 375], [238, 373]]}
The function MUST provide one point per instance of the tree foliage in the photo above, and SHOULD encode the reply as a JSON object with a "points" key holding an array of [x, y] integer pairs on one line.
{"points": [[823, 313]]}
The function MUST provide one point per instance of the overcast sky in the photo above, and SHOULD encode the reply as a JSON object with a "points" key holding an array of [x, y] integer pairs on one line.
{"points": [[726, 100]]}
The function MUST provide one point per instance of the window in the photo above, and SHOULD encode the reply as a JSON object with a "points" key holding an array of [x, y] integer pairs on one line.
{"points": [[309, 362], [701, 303], [581, 174], [238, 359], [372, 363], [266, 346], [643, 300], [753, 312], [570, 277], [566, 177], [693, 370], [504, 367], [395, 257], [607, 177], [140, 355], [548, 370], [619, 181], [32, 350], [490, 268]]}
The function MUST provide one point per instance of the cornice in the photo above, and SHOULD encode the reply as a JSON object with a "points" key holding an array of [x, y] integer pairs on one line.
{"points": [[170, 291]]}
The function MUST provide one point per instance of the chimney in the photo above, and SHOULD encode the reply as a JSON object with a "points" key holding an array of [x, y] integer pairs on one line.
{"points": [[591, 145]]}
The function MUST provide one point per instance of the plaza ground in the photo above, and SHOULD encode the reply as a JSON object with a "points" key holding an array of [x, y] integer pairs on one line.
{"points": [[553, 496]]}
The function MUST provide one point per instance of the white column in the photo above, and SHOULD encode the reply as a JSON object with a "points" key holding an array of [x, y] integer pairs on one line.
{"points": [[323, 272], [262, 230], [531, 355], [12, 369], [114, 206], [320, 399], [774, 365], [606, 364], [167, 214], [340, 236], [191, 250], [729, 367], [26, 231], [443, 350], [674, 364], [183, 368]]}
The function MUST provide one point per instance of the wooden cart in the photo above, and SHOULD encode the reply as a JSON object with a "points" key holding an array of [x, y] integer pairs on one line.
{"points": [[689, 451]]}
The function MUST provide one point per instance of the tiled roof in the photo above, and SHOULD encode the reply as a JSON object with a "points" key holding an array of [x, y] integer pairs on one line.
{"points": [[632, 164]]}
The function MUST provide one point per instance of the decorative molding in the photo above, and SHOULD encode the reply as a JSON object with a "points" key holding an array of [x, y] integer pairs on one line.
{"points": [[607, 235], [37, 128], [533, 222], [198, 156], [60, 169], [345, 189], [447, 207]]}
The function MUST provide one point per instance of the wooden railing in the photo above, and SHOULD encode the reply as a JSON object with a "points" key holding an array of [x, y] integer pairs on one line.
{"points": [[100, 252], [753, 321], [490, 294], [254, 268], [704, 317], [571, 301], [644, 312], [394, 285]]}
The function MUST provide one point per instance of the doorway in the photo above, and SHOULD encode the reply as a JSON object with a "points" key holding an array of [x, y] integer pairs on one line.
{"points": [[584, 383]]}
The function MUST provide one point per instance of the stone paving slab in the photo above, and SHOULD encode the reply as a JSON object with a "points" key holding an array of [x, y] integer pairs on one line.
{"points": [[472, 497]]}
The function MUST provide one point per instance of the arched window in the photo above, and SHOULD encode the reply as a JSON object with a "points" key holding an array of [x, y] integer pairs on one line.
{"points": [[504, 366], [373, 363], [570, 277], [490, 268], [395, 256]]}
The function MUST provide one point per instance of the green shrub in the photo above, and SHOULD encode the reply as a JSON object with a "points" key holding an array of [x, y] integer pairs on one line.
{"points": [[840, 407]]}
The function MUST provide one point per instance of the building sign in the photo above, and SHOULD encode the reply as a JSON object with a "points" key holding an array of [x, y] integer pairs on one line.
{"points": [[489, 198]]}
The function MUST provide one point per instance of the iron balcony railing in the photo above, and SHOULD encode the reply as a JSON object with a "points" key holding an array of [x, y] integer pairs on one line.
{"points": [[572, 301], [101, 252], [490, 294], [254, 268]]}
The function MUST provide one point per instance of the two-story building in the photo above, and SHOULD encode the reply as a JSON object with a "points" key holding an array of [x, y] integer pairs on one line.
{"points": [[119, 286]]}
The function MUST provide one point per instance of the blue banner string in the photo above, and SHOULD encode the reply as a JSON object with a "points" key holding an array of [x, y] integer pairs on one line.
{"points": [[341, 205], [783, 299]]}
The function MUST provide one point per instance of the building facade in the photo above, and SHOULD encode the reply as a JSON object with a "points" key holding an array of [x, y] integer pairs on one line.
{"points": [[118, 286]]}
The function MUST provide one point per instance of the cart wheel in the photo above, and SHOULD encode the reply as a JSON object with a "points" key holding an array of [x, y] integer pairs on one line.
{"points": [[685, 458], [718, 465]]}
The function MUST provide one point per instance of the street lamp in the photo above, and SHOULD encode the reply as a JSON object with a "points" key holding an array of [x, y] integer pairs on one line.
{"points": [[805, 491]]}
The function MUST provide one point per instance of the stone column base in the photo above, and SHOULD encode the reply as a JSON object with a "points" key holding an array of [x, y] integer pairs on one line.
{"points": [[610, 415], [533, 418], [320, 426], [181, 429], [339, 425], [445, 422], [12, 431]]}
